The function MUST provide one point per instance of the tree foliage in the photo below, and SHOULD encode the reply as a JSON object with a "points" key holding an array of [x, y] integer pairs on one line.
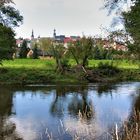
{"points": [[59, 52], [132, 26], [116, 5], [35, 52], [45, 44], [100, 53], [7, 42], [2, 2], [131, 21], [9, 17], [23, 50], [81, 50]]}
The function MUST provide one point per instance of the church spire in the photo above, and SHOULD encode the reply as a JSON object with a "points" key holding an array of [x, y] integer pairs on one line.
{"points": [[32, 36]]}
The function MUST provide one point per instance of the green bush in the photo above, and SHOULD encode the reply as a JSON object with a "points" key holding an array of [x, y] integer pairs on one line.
{"points": [[65, 63], [108, 69]]}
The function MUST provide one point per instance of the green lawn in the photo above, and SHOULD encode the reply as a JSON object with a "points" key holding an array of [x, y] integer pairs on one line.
{"points": [[123, 64], [50, 64], [30, 63]]}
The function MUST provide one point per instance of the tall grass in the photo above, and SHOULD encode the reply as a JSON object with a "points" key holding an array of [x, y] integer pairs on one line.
{"points": [[130, 129], [81, 130]]}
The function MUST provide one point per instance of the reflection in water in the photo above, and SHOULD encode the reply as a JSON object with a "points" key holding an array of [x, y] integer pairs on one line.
{"points": [[7, 128], [81, 105], [134, 116], [78, 102], [29, 111], [137, 101], [57, 105], [105, 88]]}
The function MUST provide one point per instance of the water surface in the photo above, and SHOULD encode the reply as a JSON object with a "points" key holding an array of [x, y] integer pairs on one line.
{"points": [[61, 112]]}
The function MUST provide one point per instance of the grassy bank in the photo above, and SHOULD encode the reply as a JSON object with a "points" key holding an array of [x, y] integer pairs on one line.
{"points": [[29, 71]]}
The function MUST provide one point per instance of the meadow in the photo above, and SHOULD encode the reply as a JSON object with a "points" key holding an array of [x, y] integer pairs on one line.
{"points": [[37, 71], [49, 64]]}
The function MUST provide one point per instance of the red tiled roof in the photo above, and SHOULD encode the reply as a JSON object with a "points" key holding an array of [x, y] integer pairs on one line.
{"points": [[67, 40]]}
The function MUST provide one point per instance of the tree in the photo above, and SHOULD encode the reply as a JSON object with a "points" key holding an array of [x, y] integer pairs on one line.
{"points": [[131, 20], [58, 52], [35, 52], [81, 50], [9, 17], [7, 42], [45, 44], [23, 50], [132, 26]]}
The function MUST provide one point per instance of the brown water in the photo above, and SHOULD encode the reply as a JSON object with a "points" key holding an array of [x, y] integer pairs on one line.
{"points": [[61, 112]]}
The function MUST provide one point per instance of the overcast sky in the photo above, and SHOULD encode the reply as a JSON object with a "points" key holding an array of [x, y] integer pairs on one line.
{"points": [[69, 17]]}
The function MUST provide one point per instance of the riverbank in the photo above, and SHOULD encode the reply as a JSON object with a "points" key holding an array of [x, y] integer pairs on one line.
{"points": [[28, 71]]}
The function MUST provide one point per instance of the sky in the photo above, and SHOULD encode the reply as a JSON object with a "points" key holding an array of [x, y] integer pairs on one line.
{"points": [[68, 17]]}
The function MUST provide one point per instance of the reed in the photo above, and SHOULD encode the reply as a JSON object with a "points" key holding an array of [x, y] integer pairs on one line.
{"points": [[130, 129], [81, 130]]}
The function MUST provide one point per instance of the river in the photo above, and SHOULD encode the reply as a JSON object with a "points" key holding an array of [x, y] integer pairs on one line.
{"points": [[42, 112]]}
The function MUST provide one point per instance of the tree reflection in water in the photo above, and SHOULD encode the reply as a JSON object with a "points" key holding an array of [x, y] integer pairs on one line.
{"points": [[74, 100], [57, 105], [81, 105], [7, 129], [78, 102], [105, 88]]}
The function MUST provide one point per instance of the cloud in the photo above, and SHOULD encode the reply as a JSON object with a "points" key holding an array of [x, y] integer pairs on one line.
{"points": [[26, 128]]}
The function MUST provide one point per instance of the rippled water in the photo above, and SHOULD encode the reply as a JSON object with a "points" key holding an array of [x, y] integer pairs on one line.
{"points": [[61, 112]]}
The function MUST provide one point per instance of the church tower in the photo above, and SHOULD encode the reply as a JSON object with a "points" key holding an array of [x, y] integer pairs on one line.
{"points": [[32, 36]]}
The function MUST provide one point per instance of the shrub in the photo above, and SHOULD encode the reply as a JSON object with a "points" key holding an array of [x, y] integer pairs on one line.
{"points": [[65, 63], [108, 69]]}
